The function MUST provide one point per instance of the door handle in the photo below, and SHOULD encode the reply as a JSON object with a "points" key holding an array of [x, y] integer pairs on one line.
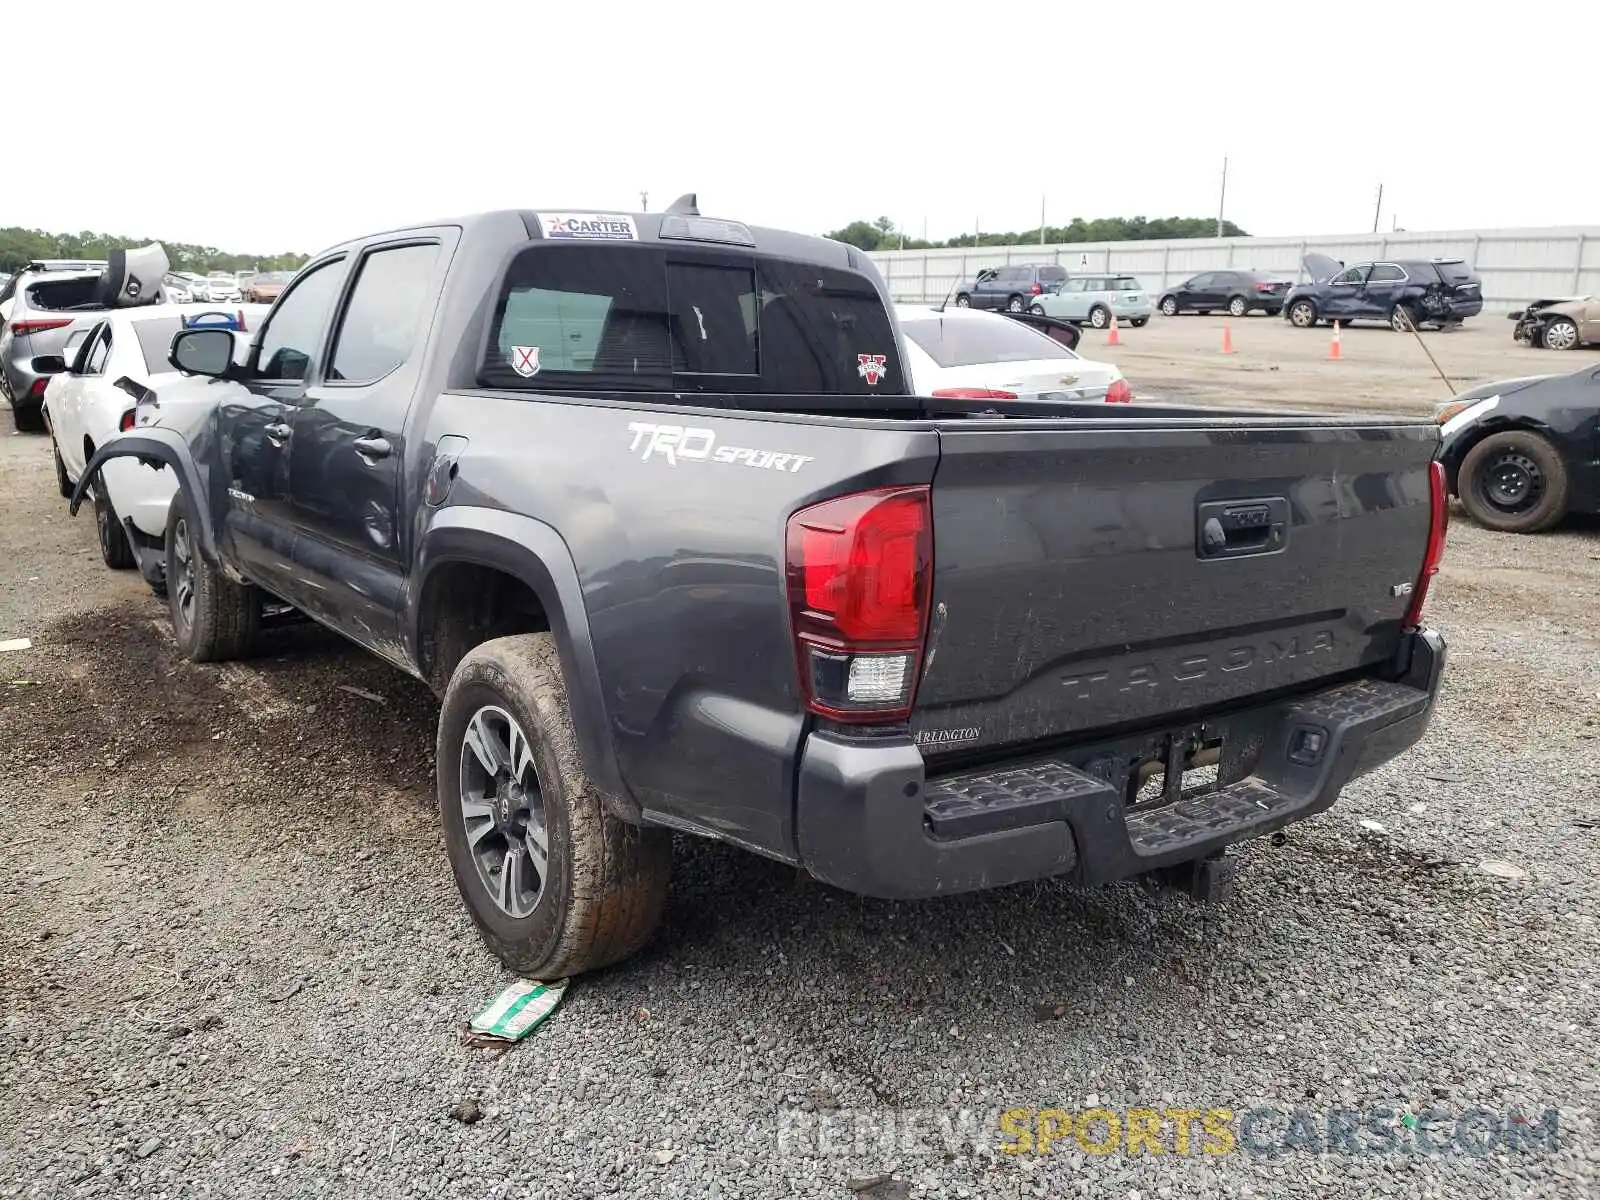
{"points": [[278, 432], [373, 447]]}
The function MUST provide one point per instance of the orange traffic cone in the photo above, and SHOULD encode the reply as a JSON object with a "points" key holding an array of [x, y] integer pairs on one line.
{"points": [[1335, 351], [1112, 339], [1227, 338]]}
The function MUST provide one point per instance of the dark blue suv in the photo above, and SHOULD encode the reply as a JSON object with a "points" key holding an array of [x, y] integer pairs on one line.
{"points": [[1405, 293]]}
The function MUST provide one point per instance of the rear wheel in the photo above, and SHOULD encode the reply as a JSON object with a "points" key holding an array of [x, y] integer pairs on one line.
{"points": [[1169, 306], [63, 484], [1303, 314], [114, 548], [1515, 482], [213, 618], [1402, 319], [1559, 334], [555, 884], [1014, 304], [1099, 316], [1238, 306]]}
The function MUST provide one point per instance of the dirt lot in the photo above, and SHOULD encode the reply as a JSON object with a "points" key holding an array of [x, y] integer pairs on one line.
{"points": [[232, 961], [1276, 365]]}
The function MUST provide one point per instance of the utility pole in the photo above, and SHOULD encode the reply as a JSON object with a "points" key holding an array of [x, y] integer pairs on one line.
{"points": [[1378, 210], [1041, 220], [644, 201], [1222, 201]]}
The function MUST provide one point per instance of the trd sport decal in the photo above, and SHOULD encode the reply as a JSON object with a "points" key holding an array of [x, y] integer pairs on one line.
{"points": [[682, 443], [872, 367]]}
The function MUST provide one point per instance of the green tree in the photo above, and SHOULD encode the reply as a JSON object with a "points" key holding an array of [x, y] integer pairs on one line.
{"points": [[882, 235], [18, 246]]}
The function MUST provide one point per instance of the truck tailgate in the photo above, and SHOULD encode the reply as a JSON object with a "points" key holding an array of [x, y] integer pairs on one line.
{"points": [[1116, 575]]}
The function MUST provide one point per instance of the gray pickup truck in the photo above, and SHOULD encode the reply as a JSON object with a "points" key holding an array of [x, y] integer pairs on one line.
{"points": [[645, 500]]}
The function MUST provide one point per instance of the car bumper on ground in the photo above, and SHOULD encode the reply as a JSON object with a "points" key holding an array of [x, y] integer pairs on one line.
{"points": [[871, 822]]}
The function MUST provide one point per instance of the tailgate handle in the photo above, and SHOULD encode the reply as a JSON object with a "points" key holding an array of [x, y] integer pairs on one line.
{"points": [[1235, 528]]}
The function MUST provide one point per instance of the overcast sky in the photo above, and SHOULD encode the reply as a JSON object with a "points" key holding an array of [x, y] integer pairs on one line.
{"points": [[279, 124]]}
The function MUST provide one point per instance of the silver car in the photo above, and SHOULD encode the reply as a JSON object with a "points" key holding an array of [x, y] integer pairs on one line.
{"points": [[1095, 299], [45, 299]]}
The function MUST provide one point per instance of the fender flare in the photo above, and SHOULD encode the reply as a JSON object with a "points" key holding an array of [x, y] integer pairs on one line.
{"points": [[158, 447], [534, 553]]}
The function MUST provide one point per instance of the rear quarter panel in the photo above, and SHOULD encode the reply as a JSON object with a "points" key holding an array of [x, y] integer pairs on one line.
{"points": [[680, 561]]}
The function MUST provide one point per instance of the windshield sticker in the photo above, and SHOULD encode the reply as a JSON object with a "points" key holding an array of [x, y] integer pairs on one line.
{"points": [[588, 227], [525, 361], [872, 367]]}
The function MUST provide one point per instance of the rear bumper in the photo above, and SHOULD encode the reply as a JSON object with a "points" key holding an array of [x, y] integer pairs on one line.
{"points": [[869, 821]]}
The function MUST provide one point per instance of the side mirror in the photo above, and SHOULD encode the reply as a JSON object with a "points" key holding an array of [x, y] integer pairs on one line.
{"points": [[48, 364], [203, 352]]}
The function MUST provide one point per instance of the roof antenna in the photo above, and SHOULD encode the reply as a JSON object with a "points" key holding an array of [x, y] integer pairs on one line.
{"points": [[687, 205]]}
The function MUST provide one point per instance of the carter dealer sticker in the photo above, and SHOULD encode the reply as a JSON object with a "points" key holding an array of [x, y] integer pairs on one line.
{"points": [[588, 227], [525, 361], [872, 367]]}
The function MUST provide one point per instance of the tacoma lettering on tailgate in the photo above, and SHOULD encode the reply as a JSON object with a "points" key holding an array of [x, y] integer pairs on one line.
{"points": [[1152, 674]]}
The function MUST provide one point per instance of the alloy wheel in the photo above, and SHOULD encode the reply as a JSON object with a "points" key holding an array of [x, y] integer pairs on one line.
{"points": [[502, 809]]}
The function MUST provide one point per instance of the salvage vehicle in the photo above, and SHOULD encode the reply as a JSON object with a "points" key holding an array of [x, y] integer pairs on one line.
{"points": [[1523, 453], [962, 352], [1406, 294], [647, 500], [1010, 288], [1558, 324], [92, 398]]}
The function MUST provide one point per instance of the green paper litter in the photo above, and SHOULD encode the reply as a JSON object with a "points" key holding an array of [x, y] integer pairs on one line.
{"points": [[516, 1012]]}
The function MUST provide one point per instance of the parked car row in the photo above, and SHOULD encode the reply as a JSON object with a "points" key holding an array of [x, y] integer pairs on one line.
{"points": [[1406, 294]]}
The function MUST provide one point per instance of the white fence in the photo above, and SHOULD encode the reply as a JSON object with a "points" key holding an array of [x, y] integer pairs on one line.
{"points": [[1516, 265]]}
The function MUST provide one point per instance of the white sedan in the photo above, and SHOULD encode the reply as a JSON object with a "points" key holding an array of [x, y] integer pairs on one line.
{"points": [[967, 353], [86, 408]]}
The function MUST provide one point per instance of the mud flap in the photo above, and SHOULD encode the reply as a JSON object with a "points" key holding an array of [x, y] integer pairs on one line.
{"points": [[151, 560]]}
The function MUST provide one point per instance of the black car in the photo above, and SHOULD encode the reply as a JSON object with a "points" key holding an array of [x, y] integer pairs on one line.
{"points": [[1404, 293], [1238, 293], [1008, 288], [1523, 453]]}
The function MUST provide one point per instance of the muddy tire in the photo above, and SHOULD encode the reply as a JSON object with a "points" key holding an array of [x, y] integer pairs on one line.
{"points": [[1514, 482], [554, 882], [63, 484], [115, 551], [213, 618]]}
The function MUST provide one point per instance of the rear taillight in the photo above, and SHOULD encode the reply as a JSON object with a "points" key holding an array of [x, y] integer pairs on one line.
{"points": [[1035, 290], [960, 393], [1119, 392], [860, 571], [127, 421], [24, 328], [1438, 523], [37, 390]]}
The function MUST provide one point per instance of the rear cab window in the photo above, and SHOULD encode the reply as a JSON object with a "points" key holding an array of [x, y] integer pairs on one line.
{"points": [[646, 317], [960, 342]]}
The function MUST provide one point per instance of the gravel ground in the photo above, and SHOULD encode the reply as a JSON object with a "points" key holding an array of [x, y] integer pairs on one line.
{"points": [[232, 961]]}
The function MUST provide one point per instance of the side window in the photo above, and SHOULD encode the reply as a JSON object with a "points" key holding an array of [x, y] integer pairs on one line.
{"points": [[294, 334], [1200, 282], [73, 350], [1073, 285], [1387, 273], [386, 305], [95, 363], [1352, 275]]}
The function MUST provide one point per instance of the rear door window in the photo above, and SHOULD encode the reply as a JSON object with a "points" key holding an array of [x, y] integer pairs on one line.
{"points": [[1052, 274], [381, 321], [1386, 273], [657, 318]]}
